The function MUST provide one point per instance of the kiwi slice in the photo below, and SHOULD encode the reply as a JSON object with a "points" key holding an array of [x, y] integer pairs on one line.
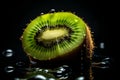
{"points": [[54, 35]]}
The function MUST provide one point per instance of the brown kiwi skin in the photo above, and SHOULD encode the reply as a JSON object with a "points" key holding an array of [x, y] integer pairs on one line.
{"points": [[83, 53]]}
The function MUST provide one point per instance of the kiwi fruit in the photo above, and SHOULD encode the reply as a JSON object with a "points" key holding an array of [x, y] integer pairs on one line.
{"points": [[56, 35]]}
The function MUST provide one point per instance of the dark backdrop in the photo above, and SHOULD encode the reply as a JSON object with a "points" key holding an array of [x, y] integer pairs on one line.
{"points": [[97, 14]]}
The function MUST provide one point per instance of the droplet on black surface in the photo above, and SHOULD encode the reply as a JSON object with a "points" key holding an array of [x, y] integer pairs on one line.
{"points": [[9, 69], [102, 45], [46, 70], [80, 78], [62, 72], [38, 69], [51, 79], [33, 62], [42, 13], [106, 59], [52, 10], [38, 77], [17, 79], [20, 64], [8, 53]]}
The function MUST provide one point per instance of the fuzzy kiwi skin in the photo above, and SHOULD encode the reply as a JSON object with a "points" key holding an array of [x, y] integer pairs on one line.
{"points": [[52, 22]]}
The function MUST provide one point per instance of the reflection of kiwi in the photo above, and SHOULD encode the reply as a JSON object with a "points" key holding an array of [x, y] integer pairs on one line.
{"points": [[54, 35]]}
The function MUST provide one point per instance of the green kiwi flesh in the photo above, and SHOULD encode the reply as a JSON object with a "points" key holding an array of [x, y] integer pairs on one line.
{"points": [[52, 35]]}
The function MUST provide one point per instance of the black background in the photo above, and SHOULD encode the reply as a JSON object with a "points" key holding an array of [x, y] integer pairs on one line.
{"points": [[99, 15]]}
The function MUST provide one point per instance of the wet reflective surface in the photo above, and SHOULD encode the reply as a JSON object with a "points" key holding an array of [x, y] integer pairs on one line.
{"points": [[20, 70], [98, 14]]}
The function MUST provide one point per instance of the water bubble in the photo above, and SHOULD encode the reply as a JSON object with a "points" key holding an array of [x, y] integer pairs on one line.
{"points": [[104, 67], [59, 72], [8, 53], [17, 79], [52, 10], [106, 59], [80, 78], [102, 45], [38, 77], [9, 69], [46, 70], [65, 66], [37, 69], [62, 69], [102, 62], [51, 79], [42, 13], [58, 75], [63, 72], [33, 62], [62, 78], [20, 64], [84, 34], [66, 69], [75, 20]]}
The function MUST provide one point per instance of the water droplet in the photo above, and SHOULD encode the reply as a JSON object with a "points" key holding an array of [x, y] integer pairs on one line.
{"points": [[84, 34], [62, 72], [102, 45], [52, 10], [20, 64], [65, 66], [16, 78], [46, 70], [102, 63], [9, 69], [58, 75], [33, 62], [59, 72], [104, 67], [106, 59], [8, 53], [51, 79], [38, 77], [66, 69], [76, 20], [42, 13], [80, 78], [9, 50], [62, 69], [62, 78]]}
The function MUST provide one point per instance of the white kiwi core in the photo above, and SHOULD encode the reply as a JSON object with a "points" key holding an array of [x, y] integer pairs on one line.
{"points": [[54, 34]]}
